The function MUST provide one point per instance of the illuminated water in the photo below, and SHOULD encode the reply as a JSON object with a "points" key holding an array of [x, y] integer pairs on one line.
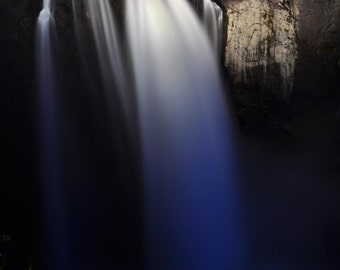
{"points": [[213, 22], [189, 172], [110, 55], [189, 178], [55, 248], [212, 18]]}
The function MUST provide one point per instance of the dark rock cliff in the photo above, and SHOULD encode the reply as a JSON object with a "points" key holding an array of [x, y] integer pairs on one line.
{"points": [[280, 43], [282, 60]]}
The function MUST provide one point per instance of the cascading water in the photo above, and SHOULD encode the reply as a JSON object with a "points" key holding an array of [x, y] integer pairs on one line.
{"points": [[188, 164], [53, 210], [213, 22], [110, 54], [191, 204], [212, 19], [109, 73]]}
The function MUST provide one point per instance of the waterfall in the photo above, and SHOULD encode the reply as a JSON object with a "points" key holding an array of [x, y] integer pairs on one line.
{"points": [[47, 5], [191, 209], [107, 71], [167, 75], [47, 84], [212, 18], [109, 51], [213, 22]]}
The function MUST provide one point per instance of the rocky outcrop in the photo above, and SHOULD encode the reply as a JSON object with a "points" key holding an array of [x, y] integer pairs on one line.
{"points": [[274, 44], [262, 42]]}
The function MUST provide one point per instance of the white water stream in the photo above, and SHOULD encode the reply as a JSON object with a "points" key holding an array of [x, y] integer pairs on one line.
{"points": [[188, 165], [213, 22], [188, 162], [55, 233]]}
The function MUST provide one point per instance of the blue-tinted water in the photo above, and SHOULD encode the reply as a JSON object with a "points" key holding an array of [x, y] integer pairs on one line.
{"points": [[55, 232], [191, 202]]}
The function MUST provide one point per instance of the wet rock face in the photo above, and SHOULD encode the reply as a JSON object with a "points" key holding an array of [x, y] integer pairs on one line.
{"points": [[282, 45], [262, 43], [282, 59]]}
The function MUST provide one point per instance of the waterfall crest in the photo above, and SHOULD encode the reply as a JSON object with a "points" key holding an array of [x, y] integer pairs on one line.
{"points": [[212, 18], [213, 22]]}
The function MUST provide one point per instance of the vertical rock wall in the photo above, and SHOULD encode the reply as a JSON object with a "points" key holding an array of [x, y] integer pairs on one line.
{"points": [[281, 44], [262, 43]]}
